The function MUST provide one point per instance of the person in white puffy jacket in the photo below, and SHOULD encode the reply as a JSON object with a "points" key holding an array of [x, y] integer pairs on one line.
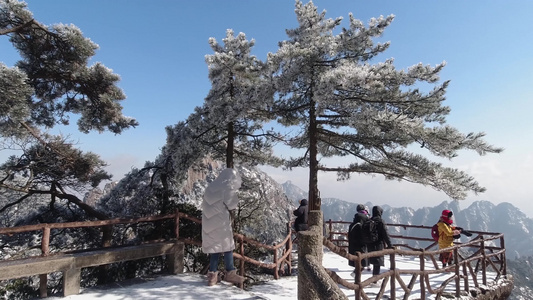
{"points": [[217, 235]]}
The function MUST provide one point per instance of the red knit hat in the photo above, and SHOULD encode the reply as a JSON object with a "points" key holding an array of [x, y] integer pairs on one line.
{"points": [[446, 216]]}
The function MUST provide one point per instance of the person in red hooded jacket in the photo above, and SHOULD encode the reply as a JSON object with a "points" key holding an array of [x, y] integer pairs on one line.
{"points": [[447, 233]]}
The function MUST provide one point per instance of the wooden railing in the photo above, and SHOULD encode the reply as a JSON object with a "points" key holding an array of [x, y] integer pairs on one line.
{"points": [[281, 252], [484, 255], [481, 255], [45, 229]]}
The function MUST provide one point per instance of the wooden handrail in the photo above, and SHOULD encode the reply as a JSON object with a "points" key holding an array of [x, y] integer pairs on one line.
{"points": [[83, 224], [46, 227], [481, 257], [485, 255]]}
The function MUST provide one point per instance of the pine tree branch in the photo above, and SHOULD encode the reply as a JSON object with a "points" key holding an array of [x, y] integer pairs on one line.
{"points": [[18, 201], [18, 28]]}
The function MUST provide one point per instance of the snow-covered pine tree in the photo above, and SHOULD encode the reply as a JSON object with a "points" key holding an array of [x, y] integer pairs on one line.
{"points": [[51, 83], [228, 126], [44, 175], [237, 105], [346, 106]]}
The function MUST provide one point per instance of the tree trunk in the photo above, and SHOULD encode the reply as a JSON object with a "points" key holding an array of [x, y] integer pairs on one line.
{"points": [[314, 196], [231, 143]]}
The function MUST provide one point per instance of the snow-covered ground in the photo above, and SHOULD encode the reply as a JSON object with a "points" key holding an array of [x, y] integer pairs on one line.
{"points": [[193, 286]]}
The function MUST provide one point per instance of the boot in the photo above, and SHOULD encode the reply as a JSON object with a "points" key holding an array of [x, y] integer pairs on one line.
{"points": [[212, 278], [231, 276]]}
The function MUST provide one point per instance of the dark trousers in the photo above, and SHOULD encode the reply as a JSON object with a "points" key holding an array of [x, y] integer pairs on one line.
{"points": [[301, 227], [376, 269]]}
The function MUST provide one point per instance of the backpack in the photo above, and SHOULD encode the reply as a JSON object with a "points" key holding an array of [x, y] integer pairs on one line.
{"points": [[355, 229], [354, 232], [435, 232], [369, 232]]}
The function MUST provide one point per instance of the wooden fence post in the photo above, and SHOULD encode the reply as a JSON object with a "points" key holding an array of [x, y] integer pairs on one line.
{"points": [[423, 274], [45, 242], [358, 270], [288, 247], [484, 261], [45, 248], [177, 224], [241, 248], [457, 277], [502, 258], [392, 259], [465, 275], [276, 273], [107, 237]]}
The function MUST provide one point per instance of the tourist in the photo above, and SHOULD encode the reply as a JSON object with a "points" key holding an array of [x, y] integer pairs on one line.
{"points": [[217, 235], [447, 233], [301, 213], [383, 240], [355, 242]]}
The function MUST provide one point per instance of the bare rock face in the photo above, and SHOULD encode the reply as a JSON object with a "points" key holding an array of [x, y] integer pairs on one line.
{"points": [[500, 290], [197, 174]]}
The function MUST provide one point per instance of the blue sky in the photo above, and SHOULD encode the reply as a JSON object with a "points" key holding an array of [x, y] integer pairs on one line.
{"points": [[158, 49]]}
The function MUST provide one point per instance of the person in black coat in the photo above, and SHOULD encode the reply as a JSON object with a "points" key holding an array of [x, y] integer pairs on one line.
{"points": [[382, 242], [300, 224], [355, 243]]}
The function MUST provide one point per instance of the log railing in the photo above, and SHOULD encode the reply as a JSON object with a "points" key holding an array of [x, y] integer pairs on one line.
{"points": [[106, 227], [484, 253], [281, 252]]}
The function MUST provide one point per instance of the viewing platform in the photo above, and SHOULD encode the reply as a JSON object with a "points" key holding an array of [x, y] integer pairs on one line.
{"points": [[410, 272]]}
